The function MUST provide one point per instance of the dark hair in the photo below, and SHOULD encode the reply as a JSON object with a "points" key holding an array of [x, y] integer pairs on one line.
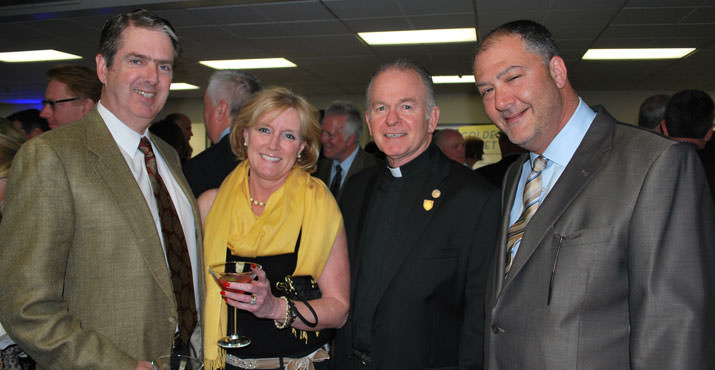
{"points": [[353, 122], [234, 87], [474, 148], [111, 37], [170, 132], [80, 80], [10, 141], [652, 111], [405, 65], [30, 120], [537, 38], [689, 114]]}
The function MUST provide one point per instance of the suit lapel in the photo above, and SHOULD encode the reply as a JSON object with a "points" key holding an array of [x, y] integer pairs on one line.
{"points": [[584, 164], [128, 198], [511, 184]]}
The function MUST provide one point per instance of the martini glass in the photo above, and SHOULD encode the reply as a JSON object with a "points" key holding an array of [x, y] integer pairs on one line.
{"points": [[177, 362], [233, 272]]}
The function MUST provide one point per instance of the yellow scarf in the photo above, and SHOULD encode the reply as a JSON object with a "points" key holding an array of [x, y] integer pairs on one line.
{"points": [[231, 223]]}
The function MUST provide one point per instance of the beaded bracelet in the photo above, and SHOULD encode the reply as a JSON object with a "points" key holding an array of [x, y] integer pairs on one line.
{"points": [[289, 317]]}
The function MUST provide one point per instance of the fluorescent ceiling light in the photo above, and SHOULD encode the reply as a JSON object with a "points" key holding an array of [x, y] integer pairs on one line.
{"points": [[615, 54], [453, 79], [438, 36], [249, 63], [182, 86], [36, 56]]}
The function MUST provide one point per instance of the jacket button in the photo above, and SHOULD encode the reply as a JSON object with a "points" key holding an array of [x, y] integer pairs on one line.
{"points": [[496, 329]]}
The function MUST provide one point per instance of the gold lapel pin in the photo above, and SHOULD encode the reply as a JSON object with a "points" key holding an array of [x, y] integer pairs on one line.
{"points": [[436, 193], [427, 204]]}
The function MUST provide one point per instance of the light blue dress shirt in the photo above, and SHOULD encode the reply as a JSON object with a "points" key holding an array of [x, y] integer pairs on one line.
{"points": [[344, 165], [558, 154]]}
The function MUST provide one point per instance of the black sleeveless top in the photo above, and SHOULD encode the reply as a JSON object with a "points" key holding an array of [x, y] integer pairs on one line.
{"points": [[266, 339]]}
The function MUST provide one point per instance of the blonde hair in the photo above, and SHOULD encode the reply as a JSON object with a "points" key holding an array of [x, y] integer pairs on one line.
{"points": [[10, 141], [276, 100]]}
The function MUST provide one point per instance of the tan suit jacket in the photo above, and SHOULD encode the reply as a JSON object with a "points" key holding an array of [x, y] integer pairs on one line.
{"points": [[83, 279], [616, 269]]}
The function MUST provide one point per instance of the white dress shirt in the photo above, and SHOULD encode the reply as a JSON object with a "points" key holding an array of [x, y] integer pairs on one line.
{"points": [[128, 141]]}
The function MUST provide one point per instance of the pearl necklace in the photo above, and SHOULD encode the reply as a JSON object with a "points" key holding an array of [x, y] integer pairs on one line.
{"points": [[256, 202]]}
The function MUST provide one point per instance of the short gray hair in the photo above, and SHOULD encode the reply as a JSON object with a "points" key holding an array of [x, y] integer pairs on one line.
{"points": [[405, 65], [235, 87], [353, 122]]}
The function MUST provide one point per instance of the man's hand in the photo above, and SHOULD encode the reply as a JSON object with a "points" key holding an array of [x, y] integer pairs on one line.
{"points": [[143, 365]]}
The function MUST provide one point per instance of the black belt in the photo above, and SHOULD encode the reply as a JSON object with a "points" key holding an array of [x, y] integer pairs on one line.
{"points": [[362, 358]]}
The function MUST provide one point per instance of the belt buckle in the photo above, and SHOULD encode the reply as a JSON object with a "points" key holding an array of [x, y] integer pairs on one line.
{"points": [[247, 364]]}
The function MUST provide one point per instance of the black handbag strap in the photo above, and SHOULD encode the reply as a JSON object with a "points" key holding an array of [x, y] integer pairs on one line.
{"points": [[298, 297]]}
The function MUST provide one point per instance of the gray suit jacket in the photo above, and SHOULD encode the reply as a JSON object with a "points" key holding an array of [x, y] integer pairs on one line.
{"points": [[362, 161], [615, 270], [83, 279]]}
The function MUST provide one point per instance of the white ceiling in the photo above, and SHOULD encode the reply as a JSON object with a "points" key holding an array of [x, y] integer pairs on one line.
{"points": [[320, 37]]}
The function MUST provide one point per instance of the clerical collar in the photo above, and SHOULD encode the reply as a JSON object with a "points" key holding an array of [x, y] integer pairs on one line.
{"points": [[395, 171], [416, 165]]}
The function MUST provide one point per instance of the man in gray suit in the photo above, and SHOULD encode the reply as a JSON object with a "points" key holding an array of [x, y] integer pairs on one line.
{"points": [[342, 125], [614, 268], [85, 280]]}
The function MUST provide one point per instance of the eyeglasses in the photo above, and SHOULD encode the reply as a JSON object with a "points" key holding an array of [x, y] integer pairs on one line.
{"points": [[52, 103]]}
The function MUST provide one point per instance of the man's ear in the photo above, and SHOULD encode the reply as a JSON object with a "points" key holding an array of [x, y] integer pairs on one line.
{"points": [[663, 128], [433, 119], [558, 72], [222, 109], [87, 105], [101, 68]]}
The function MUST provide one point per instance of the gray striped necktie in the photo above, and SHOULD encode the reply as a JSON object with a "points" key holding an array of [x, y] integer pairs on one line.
{"points": [[532, 193]]}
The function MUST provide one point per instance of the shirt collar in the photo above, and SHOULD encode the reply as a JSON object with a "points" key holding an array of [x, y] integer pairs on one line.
{"points": [[348, 162], [224, 133], [564, 145], [126, 138], [416, 165]]}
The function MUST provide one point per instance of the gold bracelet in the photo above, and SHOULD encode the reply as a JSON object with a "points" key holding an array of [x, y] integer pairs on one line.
{"points": [[288, 320]]}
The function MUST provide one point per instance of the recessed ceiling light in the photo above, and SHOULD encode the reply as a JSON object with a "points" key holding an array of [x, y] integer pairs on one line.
{"points": [[620, 54], [437, 36], [36, 56], [182, 86], [249, 63], [453, 79]]}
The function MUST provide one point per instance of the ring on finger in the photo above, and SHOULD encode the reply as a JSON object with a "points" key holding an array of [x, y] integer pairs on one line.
{"points": [[253, 299]]}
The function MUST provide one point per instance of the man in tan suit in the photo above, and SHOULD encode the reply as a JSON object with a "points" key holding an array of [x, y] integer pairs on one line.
{"points": [[84, 278]]}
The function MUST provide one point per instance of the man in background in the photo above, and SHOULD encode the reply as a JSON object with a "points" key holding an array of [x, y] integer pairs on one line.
{"points": [[343, 157], [652, 111], [225, 95], [606, 228], [689, 119], [101, 241], [184, 123], [71, 93], [451, 143]]}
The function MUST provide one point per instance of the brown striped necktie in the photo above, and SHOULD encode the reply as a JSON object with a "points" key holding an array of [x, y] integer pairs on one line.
{"points": [[532, 193], [177, 252]]}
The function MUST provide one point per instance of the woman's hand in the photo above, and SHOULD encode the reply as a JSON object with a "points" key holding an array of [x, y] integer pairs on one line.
{"points": [[255, 297]]}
